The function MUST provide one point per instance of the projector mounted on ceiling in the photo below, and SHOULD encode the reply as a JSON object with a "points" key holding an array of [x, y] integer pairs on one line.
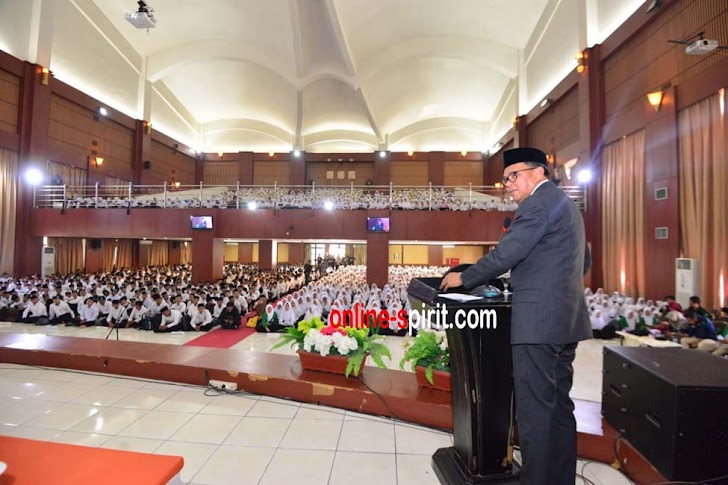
{"points": [[699, 46], [142, 18]]}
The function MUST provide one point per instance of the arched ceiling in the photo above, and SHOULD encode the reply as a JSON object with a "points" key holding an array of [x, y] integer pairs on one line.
{"points": [[319, 75]]}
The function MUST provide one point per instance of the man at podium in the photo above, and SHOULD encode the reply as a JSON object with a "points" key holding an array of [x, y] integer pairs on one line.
{"points": [[545, 250]]}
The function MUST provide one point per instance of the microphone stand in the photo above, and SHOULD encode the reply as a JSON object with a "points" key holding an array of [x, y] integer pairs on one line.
{"points": [[111, 330]]}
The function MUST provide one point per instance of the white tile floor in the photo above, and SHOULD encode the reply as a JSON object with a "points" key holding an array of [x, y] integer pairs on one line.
{"points": [[242, 438]]}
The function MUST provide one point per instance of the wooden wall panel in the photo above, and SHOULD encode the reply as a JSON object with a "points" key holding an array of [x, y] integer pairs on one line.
{"points": [[221, 173], [647, 61], [463, 172], [9, 101], [476, 226], [558, 126], [167, 164], [341, 171], [269, 172], [410, 172], [76, 133], [494, 166]]}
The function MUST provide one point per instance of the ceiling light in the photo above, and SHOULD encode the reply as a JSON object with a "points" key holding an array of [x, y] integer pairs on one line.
{"points": [[463, 153], [271, 154], [584, 176], [103, 111], [545, 102], [382, 154], [296, 153], [33, 176], [410, 153]]}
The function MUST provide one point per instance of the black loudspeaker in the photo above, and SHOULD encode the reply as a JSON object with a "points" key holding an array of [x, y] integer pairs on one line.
{"points": [[96, 243], [175, 244], [670, 403], [147, 165]]}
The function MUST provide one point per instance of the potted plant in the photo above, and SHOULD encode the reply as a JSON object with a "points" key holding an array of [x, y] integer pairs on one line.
{"points": [[429, 357], [340, 350]]}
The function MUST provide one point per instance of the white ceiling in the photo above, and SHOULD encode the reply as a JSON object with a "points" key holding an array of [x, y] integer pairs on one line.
{"points": [[325, 75]]}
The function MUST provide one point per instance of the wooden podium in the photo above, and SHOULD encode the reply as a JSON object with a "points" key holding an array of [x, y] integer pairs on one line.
{"points": [[482, 386]]}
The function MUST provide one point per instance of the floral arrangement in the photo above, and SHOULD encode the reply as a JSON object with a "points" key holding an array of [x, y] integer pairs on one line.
{"points": [[354, 343], [428, 349]]}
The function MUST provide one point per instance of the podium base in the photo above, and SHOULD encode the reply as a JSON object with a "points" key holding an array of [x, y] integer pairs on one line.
{"points": [[451, 470]]}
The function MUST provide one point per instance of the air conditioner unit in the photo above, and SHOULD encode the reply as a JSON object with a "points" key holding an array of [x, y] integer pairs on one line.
{"points": [[687, 280], [47, 261]]}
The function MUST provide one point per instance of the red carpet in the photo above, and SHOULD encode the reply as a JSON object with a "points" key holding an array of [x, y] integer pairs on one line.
{"points": [[220, 338]]}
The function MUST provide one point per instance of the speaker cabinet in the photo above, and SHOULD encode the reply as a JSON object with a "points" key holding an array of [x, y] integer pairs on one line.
{"points": [[147, 165], [96, 243], [671, 405]]}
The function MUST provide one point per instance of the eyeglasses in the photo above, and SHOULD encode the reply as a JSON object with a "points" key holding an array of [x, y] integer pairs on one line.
{"points": [[511, 177]]}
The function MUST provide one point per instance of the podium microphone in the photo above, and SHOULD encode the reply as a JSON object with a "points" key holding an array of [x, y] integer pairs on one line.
{"points": [[506, 224]]}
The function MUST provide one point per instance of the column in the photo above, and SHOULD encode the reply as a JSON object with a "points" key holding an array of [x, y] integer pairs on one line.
{"points": [[295, 253], [434, 255], [245, 173], [378, 253], [174, 252], [437, 168], [662, 171], [208, 253], [35, 106], [267, 254], [382, 168], [245, 253], [591, 116]]}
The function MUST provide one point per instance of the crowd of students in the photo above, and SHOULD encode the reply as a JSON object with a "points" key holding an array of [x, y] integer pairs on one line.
{"points": [[162, 299], [267, 198], [155, 298], [692, 327]]}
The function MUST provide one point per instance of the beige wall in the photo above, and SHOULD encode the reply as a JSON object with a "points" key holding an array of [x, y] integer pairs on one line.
{"points": [[466, 254], [415, 254], [231, 253], [408, 254], [282, 253]]}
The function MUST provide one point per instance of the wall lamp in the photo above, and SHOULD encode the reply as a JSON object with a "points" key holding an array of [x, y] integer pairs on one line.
{"points": [[98, 161], [655, 99], [45, 75], [147, 128], [580, 62]]}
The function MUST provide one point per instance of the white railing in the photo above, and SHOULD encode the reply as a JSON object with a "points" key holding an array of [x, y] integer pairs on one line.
{"points": [[428, 197]]}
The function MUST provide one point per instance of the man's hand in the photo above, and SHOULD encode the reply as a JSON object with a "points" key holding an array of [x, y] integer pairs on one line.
{"points": [[452, 280]]}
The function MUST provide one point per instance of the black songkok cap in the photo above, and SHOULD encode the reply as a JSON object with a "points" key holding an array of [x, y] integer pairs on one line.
{"points": [[525, 154]]}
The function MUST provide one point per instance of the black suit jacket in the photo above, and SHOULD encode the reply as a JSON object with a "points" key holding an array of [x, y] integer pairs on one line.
{"points": [[545, 250]]}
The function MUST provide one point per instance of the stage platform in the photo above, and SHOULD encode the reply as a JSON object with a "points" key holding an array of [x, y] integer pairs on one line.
{"points": [[380, 392]]}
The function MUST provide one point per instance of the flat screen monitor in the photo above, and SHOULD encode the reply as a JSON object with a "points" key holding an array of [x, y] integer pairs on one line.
{"points": [[201, 222], [378, 224]]}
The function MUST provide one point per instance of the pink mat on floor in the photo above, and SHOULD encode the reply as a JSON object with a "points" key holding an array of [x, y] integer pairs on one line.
{"points": [[221, 338]]}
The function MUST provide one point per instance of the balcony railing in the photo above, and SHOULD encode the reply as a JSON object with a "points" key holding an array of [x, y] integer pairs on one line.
{"points": [[428, 197]]}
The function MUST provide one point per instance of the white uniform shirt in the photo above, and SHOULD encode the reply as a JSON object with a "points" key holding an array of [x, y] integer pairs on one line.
{"points": [[61, 309], [37, 309], [172, 320]]}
